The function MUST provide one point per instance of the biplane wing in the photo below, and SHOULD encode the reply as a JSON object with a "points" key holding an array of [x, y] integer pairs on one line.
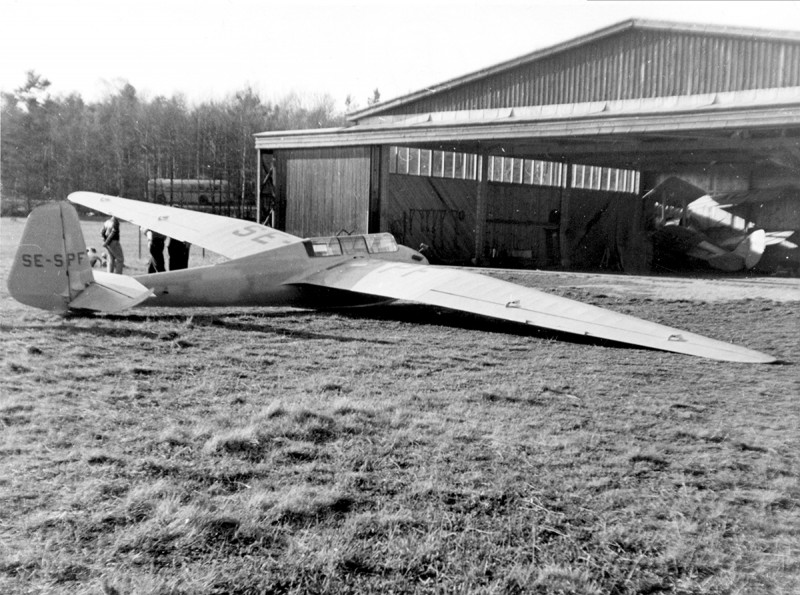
{"points": [[458, 289], [232, 238]]}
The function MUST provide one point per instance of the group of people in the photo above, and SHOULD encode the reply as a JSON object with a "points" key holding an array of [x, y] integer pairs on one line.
{"points": [[177, 250]]}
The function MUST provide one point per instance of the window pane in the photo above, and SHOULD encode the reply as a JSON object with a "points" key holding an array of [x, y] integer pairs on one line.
{"points": [[413, 161], [325, 247], [458, 169], [508, 169], [402, 160], [437, 161], [516, 171], [527, 171], [353, 244], [381, 243], [424, 162], [448, 164]]}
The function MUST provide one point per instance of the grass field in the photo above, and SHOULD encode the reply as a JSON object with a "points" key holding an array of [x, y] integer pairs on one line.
{"points": [[399, 449]]}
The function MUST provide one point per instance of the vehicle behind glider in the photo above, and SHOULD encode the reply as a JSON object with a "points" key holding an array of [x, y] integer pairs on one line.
{"points": [[267, 267]]}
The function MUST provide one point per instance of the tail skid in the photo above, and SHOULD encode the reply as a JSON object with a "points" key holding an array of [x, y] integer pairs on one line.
{"points": [[51, 270]]}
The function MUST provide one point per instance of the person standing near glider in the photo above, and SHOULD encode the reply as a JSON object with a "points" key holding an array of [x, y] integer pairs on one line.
{"points": [[155, 246], [110, 234], [178, 254]]}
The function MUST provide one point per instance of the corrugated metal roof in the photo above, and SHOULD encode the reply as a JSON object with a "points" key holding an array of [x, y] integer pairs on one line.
{"points": [[638, 24]]}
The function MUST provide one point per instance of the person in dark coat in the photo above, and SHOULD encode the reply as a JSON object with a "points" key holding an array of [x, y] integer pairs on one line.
{"points": [[155, 245], [178, 254]]}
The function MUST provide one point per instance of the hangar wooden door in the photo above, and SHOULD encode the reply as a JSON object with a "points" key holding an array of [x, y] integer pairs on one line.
{"points": [[326, 191]]}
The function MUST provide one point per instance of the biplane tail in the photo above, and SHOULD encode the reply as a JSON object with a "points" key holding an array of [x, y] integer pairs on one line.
{"points": [[751, 249], [51, 269]]}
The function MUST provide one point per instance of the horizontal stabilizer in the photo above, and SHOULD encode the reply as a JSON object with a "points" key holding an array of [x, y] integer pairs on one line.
{"points": [[780, 238], [111, 293]]}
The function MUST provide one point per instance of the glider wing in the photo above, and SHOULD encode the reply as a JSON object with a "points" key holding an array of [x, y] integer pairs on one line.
{"points": [[469, 292], [232, 238]]}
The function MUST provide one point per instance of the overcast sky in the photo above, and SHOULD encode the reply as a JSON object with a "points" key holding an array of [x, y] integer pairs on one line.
{"points": [[209, 49]]}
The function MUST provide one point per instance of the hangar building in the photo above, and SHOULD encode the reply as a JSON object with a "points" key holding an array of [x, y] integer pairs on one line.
{"points": [[543, 160]]}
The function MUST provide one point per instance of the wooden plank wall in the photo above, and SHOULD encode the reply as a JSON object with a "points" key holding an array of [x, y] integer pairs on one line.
{"points": [[325, 190]]}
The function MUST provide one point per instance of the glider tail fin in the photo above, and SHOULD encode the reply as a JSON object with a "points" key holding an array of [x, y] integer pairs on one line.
{"points": [[51, 269]]}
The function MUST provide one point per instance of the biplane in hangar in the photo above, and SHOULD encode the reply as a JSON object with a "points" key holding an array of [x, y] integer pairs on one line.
{"points": [[691, 226], [267, 267]]}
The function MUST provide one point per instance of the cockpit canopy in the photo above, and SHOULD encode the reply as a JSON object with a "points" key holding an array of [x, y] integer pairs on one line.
{"points": [[373, 243]]}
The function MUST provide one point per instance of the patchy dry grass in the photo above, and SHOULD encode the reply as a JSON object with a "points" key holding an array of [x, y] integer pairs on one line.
{"points": [[404, 449]]}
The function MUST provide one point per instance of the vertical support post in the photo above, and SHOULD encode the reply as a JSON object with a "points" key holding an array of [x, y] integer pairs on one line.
{"points": [[482, 195], [383, 191], [376, 181], [564, 247], [258, 185]]}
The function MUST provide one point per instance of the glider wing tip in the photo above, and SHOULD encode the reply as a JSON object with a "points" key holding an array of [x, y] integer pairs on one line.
{"points": [[755, 357]]}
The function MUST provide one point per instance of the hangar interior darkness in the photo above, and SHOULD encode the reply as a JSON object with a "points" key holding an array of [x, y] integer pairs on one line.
{"points": [[545, 161]]}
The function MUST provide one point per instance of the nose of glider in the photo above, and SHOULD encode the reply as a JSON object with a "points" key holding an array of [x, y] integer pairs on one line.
{"points": [[407, 254]]}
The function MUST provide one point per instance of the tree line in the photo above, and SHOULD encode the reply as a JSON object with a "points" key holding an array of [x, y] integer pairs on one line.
{"points": [[52, 146]]}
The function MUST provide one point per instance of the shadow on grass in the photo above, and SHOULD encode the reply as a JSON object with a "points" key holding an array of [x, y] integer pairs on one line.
{"points": [[421, 314], [254, 320], [94, 330], [251, 321]]}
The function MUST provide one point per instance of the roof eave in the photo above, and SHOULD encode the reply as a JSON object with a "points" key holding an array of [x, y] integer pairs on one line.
{"points": [[588, 126]]}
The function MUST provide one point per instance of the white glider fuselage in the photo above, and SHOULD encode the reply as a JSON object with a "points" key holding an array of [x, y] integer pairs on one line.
{"points": [[265, 280]]}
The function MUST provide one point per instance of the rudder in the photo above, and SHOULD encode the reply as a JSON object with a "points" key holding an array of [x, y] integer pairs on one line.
{"points": [[51, 267], [752, 248]]}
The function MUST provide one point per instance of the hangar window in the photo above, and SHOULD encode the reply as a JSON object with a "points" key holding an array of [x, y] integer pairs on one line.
{"points": [[533, 172], [593, 177], [509, 170], [439, 164]]}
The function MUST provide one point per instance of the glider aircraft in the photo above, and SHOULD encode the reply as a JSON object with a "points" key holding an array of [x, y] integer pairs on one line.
{"points": [[267, 267]]}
